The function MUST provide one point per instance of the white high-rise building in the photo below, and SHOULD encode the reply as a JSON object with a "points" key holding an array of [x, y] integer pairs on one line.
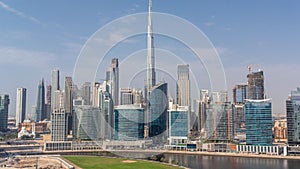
{"points": [[55, 87], [20, 105]]}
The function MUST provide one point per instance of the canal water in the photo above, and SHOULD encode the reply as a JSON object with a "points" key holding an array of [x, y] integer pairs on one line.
{"points": [[227, 162]]}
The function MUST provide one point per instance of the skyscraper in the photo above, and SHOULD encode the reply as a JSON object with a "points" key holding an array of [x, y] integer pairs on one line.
{"points": [[202, 105], [4, 102], [258, 122], [151, 79], [178, 122], [183, 89], [240, 94], [48, 101], [293, 117], [40, 113], [96, 91], [55, 86], [219, 119], [107, 120], [158, 112], [59, 125], [183, 85], [68, 94], [59, 120], [68, 100], [85, 93], [20, 105], [87, 124], [48, 94], [256, 85], [112, 78]]}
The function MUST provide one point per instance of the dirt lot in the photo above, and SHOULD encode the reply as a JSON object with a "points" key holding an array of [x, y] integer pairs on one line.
{"points": [[30, 163]]}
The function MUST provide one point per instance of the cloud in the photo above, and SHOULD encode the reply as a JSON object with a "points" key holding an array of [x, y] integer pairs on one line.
{"points": [[73, 47], [209, 23], [113, 37], [19, 13], [11, 55]]}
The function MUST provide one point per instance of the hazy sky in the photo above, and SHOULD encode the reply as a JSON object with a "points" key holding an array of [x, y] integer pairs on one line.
{"points": [[37, 36]]}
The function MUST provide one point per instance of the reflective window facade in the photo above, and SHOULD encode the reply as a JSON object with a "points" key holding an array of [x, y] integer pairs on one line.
{"points": [[129, 123], [258, 122], [4, 102], [178, 123]]}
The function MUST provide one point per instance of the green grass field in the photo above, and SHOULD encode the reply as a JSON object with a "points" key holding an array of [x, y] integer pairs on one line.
{"points": [[92, 162]]}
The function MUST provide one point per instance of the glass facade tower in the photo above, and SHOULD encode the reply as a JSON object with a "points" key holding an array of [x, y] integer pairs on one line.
{"points": [[40, 113], [4, 102], [293, 117], [158, 111], [129, 123], [178, 122], [258, 122]]}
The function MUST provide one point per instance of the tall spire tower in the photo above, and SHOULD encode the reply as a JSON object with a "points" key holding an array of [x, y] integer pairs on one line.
{"points": [[150, 52], [150, 81]]}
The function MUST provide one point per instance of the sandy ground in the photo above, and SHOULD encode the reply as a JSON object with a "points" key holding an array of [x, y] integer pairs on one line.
{"points": [[128, 161], [30, 163]]}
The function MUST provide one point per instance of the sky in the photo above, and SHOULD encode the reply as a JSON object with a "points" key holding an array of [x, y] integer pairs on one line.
{"points": [[37, 36]]}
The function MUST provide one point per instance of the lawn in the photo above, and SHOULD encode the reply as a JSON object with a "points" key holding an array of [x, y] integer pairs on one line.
{"points": [[94, 162]]}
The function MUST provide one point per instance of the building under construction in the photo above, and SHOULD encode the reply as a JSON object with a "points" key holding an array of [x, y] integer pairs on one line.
{"points": [[256, 85]]}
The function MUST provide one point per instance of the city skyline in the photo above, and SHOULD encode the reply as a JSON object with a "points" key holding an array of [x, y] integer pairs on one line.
{"points": [[29, 62]]}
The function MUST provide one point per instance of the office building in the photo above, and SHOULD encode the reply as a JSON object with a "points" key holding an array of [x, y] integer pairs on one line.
{"points": [[158, 112], [69, 95], [107, 119], [4, 103], [20, 105], [240, 94], [183, 89], [258, 115], [219, 121], [87, 122], [256, 85], [40, 113], [178, 123], [59, 125], [59, 120], [129, 123], [126, 96], [293, 117]]}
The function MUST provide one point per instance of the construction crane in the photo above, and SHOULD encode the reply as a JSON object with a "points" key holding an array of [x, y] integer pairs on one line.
{"points": [[249, 67]]}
